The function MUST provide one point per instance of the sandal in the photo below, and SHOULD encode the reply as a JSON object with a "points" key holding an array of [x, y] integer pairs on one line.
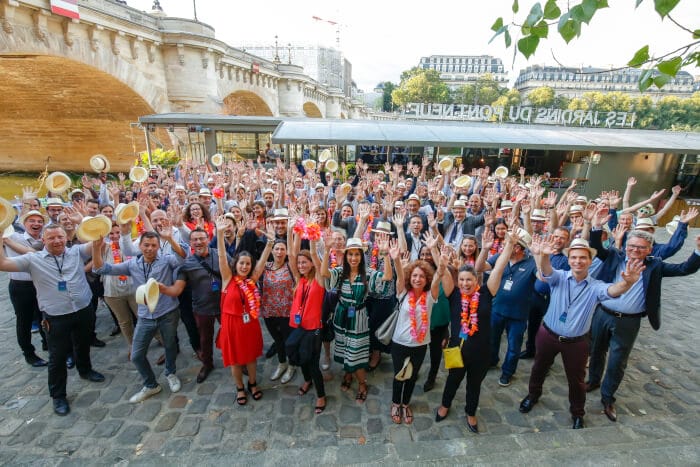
{"points": [[374, 367], [407, 415], [304, 388], [396, 413], [257, 395], [361, 395], [241, 400], [320, 408], [347, 382]]}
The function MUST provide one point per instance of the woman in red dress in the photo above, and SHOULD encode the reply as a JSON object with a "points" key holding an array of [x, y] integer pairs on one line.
{"points": [[240, 336]]}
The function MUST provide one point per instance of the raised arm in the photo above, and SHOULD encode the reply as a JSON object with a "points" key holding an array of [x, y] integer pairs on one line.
{"points": [[260, 267], [382, 241], [395, 253], [494, 281], [629, 276], [443, 261], [481, 265], [541, 248], [226, 274]]}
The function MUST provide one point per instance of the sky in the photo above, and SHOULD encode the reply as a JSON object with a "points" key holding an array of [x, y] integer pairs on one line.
{"points": [[382, 38]]}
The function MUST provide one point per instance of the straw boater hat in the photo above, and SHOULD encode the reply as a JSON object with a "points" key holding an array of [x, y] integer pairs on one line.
{"points": [[501, 172], [309, 164], [138, 174], [581, 199], [463, 182], [217, 159], [645, 223], [673, 225], [280, 214], [445, 164], [94, 228], [99, 163], [354, 243], [383, 227], [538, 215], [325, 155], [57, 182], [204, 192], [524, 238], [7, 213], [9, 230], [345, 188], [77, 191], [31, 213], [575, 209], [331, 165], [506, 204], [54, 202], [148, 294], [580, 244], [126, 213], [459, 204], [406, 371]]}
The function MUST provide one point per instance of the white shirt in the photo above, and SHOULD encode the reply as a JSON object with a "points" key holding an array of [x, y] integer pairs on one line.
{"points": [[402, 333]]}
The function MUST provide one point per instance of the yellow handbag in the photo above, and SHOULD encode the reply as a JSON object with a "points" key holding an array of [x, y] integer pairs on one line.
{"points": [[453, 356]]}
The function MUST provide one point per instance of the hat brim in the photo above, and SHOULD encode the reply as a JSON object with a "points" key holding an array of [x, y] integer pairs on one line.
{"points": [[148, 294], [591, 250], [92, 228], [463, 182], [99, 164], [127, 213], [383, 231], [7, 214], [138, 174], [406, 371], [57, 182]]}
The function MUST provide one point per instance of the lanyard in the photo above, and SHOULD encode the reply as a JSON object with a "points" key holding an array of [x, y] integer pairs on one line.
{"points": [[147, 272], [60, 267], [568, 289], [304, 296]]}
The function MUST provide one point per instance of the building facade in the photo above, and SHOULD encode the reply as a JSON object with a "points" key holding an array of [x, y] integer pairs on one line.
{"points": [[573, 82], [458, 70]]}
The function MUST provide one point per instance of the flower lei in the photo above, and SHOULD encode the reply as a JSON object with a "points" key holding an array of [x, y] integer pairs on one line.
{"points": [[374, 258], [252, 296], [117, 257], [333, 259], [469, 317], [368, 230], [307, 231], [497, 247], [418, 334]]}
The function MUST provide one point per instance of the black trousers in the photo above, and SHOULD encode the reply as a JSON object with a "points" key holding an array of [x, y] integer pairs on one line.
{"points": [[403, 390], [312, 370], [378, 310], [187, 318], [330, 300], [436, 337], [67, 333], [279, 331], [23, 298], [538, 308], [98, 291], [475, 369]]}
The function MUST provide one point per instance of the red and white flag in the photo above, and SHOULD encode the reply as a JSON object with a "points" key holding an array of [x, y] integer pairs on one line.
{"points": [[67, 8]]}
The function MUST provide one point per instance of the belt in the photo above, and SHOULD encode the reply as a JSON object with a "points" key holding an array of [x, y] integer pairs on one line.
{"points": [[617, 314], [563, 339], [19, 282]]}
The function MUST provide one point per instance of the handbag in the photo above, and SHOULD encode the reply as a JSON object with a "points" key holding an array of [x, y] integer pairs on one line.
{"points": [[385, 332], [453, 356], [300, 345]]}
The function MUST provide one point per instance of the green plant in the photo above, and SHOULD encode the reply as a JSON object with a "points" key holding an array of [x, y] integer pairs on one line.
{"points": [[164, 158]]}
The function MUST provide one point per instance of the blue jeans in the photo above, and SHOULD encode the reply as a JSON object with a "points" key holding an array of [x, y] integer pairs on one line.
{"points": [[143, 335], [515, 330]]}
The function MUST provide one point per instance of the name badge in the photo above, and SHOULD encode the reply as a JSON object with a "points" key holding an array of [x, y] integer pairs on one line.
{"points": [[507, 285], [246, 318], [563, 317], [351, 312], [215, 286], [62, 286], [297, 319]]}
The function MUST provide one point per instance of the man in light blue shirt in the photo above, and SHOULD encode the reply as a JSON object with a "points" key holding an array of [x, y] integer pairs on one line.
{"points": [[574, 297]]}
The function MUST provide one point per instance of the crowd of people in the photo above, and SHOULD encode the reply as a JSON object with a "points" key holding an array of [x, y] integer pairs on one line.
{"points": [[342, 270]]}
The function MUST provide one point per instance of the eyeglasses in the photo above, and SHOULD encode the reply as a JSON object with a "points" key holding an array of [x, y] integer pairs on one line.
{"points": [[636, 247]]}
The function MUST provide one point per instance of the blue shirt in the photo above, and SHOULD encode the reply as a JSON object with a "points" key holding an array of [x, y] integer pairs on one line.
{"points": [[630, 302], [520, 279], [577, 299]]}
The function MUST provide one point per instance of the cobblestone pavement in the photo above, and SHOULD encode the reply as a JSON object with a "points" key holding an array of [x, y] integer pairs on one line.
{"points": [[658, 411]]}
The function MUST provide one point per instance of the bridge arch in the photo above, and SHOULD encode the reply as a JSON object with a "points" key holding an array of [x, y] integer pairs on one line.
{"points": [[246, 103], [311, 110]]}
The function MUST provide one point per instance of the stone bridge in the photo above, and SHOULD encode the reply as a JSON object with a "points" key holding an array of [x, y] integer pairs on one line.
{"points": [[73, 88]]}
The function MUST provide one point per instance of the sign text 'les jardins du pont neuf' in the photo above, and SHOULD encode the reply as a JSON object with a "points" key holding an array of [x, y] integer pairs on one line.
{"points": [[521, 114]]}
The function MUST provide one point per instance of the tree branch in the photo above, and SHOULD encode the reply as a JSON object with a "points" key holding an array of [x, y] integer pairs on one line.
{"points": [[679, 25]]}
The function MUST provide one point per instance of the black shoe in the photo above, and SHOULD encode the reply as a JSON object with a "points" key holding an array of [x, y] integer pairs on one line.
{"points": [[36, 361], [527, 404], [93, 376], [438, 417], [97, 343], [592, 386], [578, 423], [60, 406], [45, 346], [70, 363], [115, 331], [203, 373], [272, 351], [473, 428], [430, 384], [526, 355], [610, 412]]}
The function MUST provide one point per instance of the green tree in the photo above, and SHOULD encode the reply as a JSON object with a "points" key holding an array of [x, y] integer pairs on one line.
{"points": [[387, 88], [534, 29], [512, 98], [483, 91], [578, 103], [643, 107], [541, 97], [423, 86]]}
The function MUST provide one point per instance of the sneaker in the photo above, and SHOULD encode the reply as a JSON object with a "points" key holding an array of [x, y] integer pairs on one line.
{"points": [[35, 327], [279, 371], [144, 394], [326, 364], [173, 382], [504, 381], [289, 374]]}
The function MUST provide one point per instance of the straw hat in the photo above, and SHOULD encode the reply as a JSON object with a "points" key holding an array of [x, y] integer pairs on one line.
{"points": [[580, 244], [280, 214], [463, 182], [524, 238], [500, 172], [126, 213], [459, 204], [383, 227], [345, 188], [217, 159], [354, 243], [506, 204], [645, 223], [148, 294], [94, 228], [77, 191], [138, 174], [204, 192], [673, 225], [445, 164], [332, 165], [575, 209], [9, 230], [581, 199], [406, 370], [57, 182], [538, 215], [7, 213], [309, 164], [325, 155], [31, 213], [99, 163]]}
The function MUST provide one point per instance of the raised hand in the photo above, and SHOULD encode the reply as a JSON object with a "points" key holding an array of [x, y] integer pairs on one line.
{"points": [[73, 214], [382, 241], [166, 230], [430, 240], [525, 206], [405, 259], [398, 219], [28, 192], [687, 216], [631, 182], [221, 224], [487, 239], [618, 233], [634, 269], [363, 211], [394, 250]]}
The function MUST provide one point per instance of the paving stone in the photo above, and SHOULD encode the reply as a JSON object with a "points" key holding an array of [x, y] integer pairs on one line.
{"points": [[227, 399], [351, 431], [326, 422], [287, 406], [374, 426], [400, 434], [372, 406], [86, 399], [206, 389], [654, 389], [147, 411], [48, 440], [81, 428], [8, 426], [198, 405], [686, 397], [132, 434], [451, 431], [33, 406], [27, 433], [372, 453], [107, 428], [176, 446], [69, 444], [676, 408], [96, 414], [350, 414], [284, 425], [112, 394], [210, 434], [122, 411], [178, 402], [167, 421], [422, 423], [188, 427]]}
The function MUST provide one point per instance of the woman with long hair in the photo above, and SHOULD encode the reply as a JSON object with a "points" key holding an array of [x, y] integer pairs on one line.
{"points": [[240, 336], [417, 290], [500, 232], [468, 251], [306, 312], [196, 215], [470, 329], [351, 322]]}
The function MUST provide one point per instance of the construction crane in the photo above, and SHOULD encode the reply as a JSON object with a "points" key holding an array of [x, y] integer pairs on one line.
{"points": [[332, 23]]}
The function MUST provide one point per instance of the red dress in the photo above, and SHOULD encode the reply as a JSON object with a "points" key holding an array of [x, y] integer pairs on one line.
{"points": [[240, 343]]}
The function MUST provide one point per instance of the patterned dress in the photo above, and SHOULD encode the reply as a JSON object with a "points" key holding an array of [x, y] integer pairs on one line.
{"points": [[277, 292], [352, 333]]}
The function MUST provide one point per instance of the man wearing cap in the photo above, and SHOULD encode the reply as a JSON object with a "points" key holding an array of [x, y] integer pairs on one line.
{"points": [[457, 224], [54, 207], [164, 318], [567, 322], [64, 297], [180, 199], [412, 210], [206, 200], [617, 321], [21, 289]]}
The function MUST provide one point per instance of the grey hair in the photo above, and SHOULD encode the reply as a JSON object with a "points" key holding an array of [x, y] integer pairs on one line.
{"points": [[641, 234]]}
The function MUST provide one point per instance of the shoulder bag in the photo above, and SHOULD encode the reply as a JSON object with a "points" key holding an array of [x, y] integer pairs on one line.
{"points": [[385, 331]]}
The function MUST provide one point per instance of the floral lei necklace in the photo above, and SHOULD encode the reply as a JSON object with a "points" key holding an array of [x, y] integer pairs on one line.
{"points": [[418, 334], [469, 317], [497, 247], [333, 259], [116, 255], [252, 296], [374, 258]]}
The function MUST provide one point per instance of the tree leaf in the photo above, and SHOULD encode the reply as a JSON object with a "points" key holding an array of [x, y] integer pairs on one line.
{"points": [[541, 30], [568, 28], [670, 67], [534, 16], [696, 34], [661, 80], [589, 8], [499, 32], [664, 7], [497, 25], [508, 39], [551, 10], [602, 4], [515, 6], [528, 45], [638, 2], [645, 80], [641, 56]]}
